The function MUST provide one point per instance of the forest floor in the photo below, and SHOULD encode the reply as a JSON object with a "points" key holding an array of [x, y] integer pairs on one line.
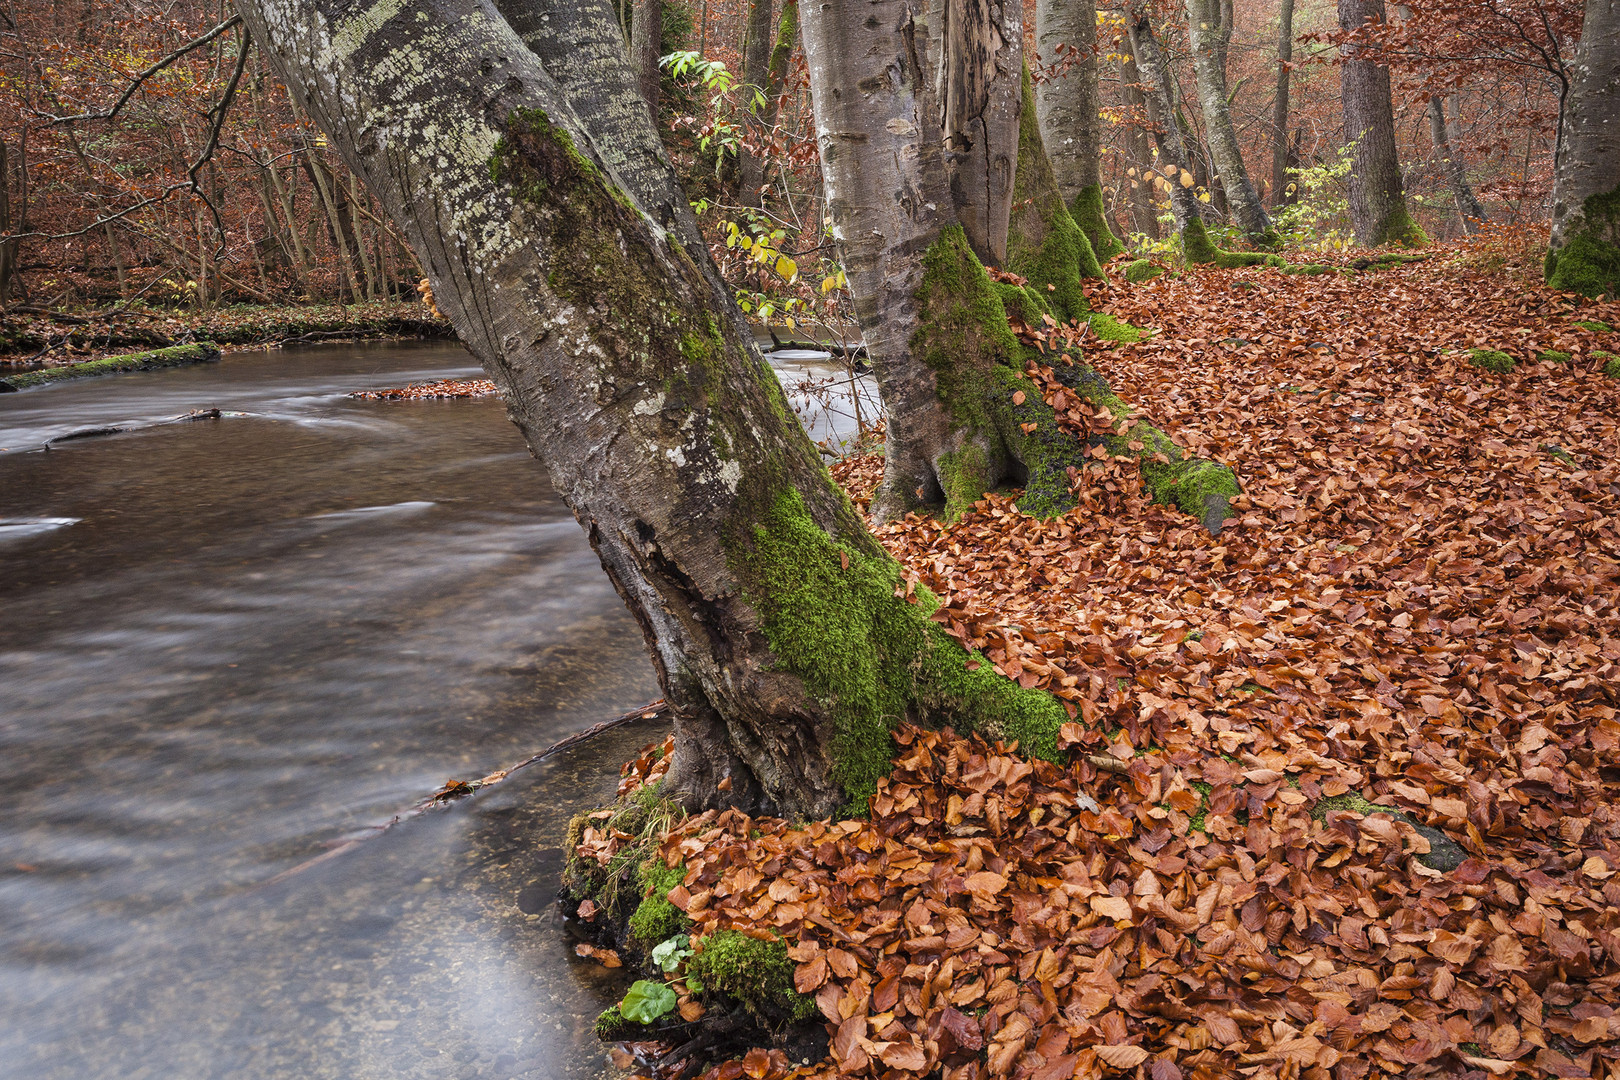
{"points": [[1416, 607], [32, 339]]}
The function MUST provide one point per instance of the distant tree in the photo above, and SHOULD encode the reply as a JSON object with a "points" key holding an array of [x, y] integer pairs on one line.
{"points": [[1067, 104], [1209, 27], [1377, 196]]}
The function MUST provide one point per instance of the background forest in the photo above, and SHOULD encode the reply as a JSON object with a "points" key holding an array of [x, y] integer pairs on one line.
{"points": [[144, 157]]}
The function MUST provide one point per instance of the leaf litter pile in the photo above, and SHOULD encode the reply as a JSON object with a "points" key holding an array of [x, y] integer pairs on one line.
{"points": [[1412, 621], [442, 388]]}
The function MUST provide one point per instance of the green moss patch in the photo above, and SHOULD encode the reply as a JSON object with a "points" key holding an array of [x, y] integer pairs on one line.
{"points": [[1491, 360], [754, 973], [1611, 368], [1594, 326], [1140, 270], [175, 356], [1088, 213], [1308, 269], [1199, 250], [836, 614], [1553, 356], [1589, 261], [655, 918]]}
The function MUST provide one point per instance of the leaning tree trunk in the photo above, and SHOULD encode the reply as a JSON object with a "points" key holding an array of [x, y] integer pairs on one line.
{"points": [[1279, 113], [1070, 117], [1174, 162], [1584, 253], [756, 70], [1469, 210], [779, 627], [1209, 33], [1377, 200]]}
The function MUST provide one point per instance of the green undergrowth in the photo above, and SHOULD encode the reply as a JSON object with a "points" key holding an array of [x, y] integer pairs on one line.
{"points": [[1494, 360], [634, 882], [174, 356], [837, 616], [754, 973], [655, 918], [1589, 261]]}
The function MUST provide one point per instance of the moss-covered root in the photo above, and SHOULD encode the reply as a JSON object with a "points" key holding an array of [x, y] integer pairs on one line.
{"points": [[1589, 261], [1197, 486], [1140, 270], [753, 973], [175, 356], [1200, 250], [1494, 360], [837, 615], [1088, 213]]}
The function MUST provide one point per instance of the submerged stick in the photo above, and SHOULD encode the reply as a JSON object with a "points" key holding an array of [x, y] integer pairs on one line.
{"points": [[454, 790]]}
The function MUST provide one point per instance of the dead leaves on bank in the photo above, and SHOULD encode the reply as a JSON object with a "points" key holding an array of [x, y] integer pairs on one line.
{"points": [[1417, 603], [441, 388]]}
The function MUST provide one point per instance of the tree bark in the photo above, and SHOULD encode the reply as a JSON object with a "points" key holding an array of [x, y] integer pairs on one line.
{"points": [[1469, 211], [1377, 199], [756, 52], [1070, 116], [979, 67], [646, 36], [1279, 112], [1137, 144], [780, 629], [1584, 252], [1210, 28], [1174, 163]]}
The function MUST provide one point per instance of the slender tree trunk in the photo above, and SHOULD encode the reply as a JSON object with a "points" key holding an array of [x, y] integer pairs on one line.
{"points": [[1174, 162], [756, 52], [780, 628], [1280, 181], [1469, 211], [1138, 144], [8, 248], [646, 35], [1584, 253], [1377, 200], [1070, 116], [1210, 29]]}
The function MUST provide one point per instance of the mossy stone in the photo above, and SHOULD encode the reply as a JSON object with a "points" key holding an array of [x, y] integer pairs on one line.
{"points": [[1444, 854]]}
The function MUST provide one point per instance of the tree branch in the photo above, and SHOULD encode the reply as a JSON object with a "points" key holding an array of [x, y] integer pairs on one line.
{"points": [[129, 91]]}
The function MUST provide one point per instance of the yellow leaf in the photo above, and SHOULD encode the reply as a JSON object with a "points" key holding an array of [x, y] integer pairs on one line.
{"points": [[1203, 196], [787, 268]]}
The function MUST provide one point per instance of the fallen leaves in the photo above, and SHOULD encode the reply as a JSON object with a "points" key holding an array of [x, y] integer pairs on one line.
{"points": [[441, 388]]}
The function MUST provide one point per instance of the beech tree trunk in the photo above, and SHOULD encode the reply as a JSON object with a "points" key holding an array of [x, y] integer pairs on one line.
{"points": [[979, 64], [756, 52], [546, 216], [1469, 211], [1174, 162], [1070, 116], [1279, 112], [1378, 210], [1584, 252], [646, 36], [1137, 144], [1210, 28]]}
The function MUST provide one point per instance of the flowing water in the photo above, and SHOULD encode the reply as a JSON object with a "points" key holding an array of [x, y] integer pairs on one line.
{"points": [[227, 646]]}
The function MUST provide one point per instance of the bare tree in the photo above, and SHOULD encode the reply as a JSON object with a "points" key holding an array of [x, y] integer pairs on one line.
{"points": [[1280, 158], [1469, 210], [1209, 25]]}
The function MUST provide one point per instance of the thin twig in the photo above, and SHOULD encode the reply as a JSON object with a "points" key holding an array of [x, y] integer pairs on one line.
{"points": [[129, 91]]}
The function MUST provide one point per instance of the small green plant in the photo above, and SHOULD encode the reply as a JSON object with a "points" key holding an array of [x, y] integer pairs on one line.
{"points": [[669, 955], [646, 1001], [1494, 360]]}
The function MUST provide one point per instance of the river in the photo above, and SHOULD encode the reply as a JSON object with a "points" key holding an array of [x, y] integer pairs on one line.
{"points": [[227, 646]]}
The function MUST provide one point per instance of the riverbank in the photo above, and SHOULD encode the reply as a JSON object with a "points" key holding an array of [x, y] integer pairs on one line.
{"points": [[30, 340]]}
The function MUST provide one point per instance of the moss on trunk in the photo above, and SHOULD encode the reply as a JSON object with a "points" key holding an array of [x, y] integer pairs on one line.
{"points": [[1589, 261], [174, 356], [1044, 244], [1199, 249], [1088, 213]]}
